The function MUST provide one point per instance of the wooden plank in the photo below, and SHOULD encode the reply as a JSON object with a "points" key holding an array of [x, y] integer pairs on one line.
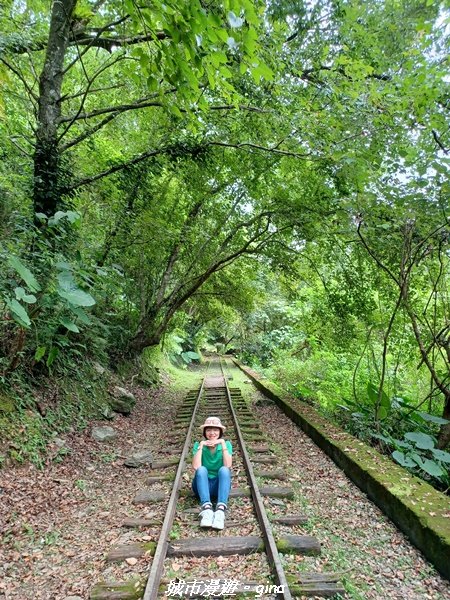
{"points": [[298, 544], [271, 475], [132, 522], [149, 497], [216, 546], [302, 578], [198, 588], [164, 464], [290, 520], [158, 479], [325, 590], [228, 545], [264, 460], [274, 492], [135, 550], [259, 448], [153, 473], [126, 590], [175, 450]]}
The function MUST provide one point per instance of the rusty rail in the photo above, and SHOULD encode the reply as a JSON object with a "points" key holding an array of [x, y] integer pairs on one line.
{"points": [[156, 571], [266, 528]]}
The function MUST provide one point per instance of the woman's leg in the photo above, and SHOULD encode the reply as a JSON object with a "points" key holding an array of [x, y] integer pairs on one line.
{"points": [[224, 478], [200, 486], [223, 491]]}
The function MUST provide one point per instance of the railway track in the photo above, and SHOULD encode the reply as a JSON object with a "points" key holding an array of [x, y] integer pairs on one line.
{"points": [[219, 559]]}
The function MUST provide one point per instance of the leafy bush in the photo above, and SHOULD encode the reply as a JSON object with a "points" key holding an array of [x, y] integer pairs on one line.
{"points": [[46, 300]]}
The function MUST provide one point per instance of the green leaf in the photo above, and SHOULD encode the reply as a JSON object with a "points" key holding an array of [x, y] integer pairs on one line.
{"points": [[22, 295], [441, 455], [77, 297], [382, 412], [82, 316], [263, 71], [372, 392], [432, 418], [53, 353], [18, 313], [218, 58], [68, 324], [69, 290], [70, 215], [185, 357], [25, 273], [421, 440], [40, 352], [402, 459], [432, 468], [385, 400], [193, 355], [63, 265]]}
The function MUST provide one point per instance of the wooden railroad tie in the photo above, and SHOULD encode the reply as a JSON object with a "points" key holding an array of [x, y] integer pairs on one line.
{"points": [[137, 522], [290, 520], [264, 460], [271, 475], [165, 464], [218, 546], [150, 497], [259, 448]]}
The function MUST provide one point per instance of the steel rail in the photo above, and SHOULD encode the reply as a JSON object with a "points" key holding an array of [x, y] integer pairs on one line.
{"points": [[269, 541], [156, 570]]}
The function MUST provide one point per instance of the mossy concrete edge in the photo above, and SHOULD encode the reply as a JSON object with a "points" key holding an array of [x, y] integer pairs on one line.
{"points": [[419, 510]]}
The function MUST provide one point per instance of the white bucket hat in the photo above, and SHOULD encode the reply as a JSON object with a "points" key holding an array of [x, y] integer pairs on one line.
{"points": [[212, 422]]}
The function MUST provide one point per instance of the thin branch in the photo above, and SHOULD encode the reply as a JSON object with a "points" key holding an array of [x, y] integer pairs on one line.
{"points": [[83, 100], [109, 43], [19, 75], [114, 169], [240, 107], [66, 97], [376, 259], [438, 141], [272, 149], [27, 154], [141, 103], [92, 40]]}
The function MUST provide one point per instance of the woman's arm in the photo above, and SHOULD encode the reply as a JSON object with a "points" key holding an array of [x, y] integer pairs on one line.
{"points": [[227, 459], [197, 460]]}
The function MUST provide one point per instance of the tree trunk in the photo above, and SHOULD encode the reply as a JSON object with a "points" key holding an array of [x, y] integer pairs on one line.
{"points": [[444, 433], [144, 340], [46, 156]]}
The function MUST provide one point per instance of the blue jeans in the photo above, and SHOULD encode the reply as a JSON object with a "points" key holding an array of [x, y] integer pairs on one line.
{"points": [[217, 488]]}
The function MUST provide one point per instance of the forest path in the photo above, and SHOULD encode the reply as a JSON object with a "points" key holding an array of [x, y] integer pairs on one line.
{"points": [[58, 524]]}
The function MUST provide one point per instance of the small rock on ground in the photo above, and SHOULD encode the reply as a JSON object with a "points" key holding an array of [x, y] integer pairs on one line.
{"points": [[103, 434]]}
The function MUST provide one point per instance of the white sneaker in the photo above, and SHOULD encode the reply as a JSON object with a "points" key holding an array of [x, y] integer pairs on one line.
{"points": [[207, 516], [219, 520]]}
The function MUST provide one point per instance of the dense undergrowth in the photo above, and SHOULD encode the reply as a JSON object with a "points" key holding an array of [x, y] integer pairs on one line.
{"points": [[403, 427]]}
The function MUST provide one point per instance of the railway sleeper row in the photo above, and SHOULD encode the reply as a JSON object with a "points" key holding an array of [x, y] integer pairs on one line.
{"points": [[211, 544]]}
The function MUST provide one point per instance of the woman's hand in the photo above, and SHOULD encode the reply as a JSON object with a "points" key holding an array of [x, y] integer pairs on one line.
{"points": [[212, 443]]}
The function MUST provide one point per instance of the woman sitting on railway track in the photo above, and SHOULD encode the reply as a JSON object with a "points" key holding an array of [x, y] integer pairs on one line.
{"points": [[212, 481]]}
